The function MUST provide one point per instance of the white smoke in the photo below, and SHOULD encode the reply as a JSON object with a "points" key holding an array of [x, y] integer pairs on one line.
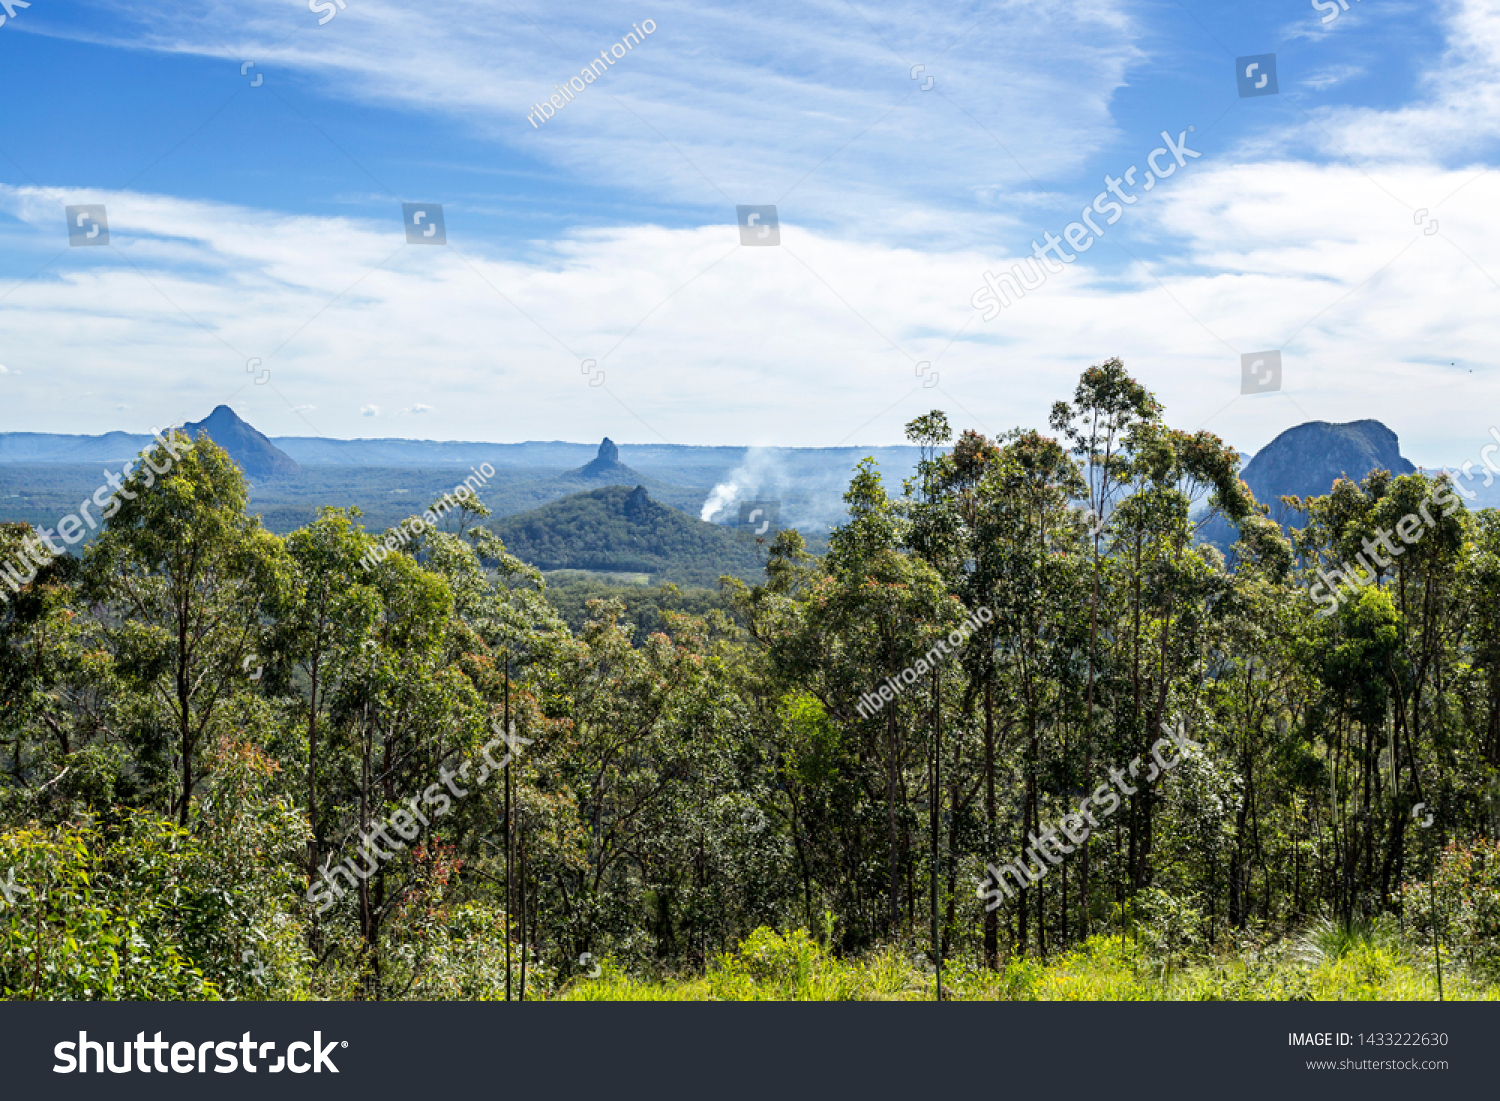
{"points": [[724, 494], [808, 484], [759, 475]]}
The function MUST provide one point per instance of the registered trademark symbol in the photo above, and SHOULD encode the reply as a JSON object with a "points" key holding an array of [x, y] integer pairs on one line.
{"points": [[345, 1043]]}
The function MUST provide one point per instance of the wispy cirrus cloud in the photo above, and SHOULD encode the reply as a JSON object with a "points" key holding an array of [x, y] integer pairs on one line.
{"points": [[812, 105]]}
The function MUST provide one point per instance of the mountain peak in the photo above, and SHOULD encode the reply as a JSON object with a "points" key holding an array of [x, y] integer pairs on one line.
{"points": [[638, 503], [1306, 460], [257, 456], [607, 464]]}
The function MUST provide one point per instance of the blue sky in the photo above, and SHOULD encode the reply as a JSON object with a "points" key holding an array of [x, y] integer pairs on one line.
{"points": [[264, 222]]}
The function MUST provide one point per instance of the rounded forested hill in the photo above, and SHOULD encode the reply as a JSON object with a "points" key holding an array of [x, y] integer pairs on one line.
{"points": [[619, 529]]}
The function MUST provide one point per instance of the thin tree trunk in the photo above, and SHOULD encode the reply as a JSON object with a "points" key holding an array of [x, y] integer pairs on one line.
{"points": [[936, 796], [312, 788], [525, 942], [893, 866], [185, 720], [509, 834], [991, 917]]}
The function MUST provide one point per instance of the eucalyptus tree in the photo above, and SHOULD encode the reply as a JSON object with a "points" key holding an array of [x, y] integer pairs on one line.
{"points": [[1257, 689], [183, 578], [855, 633], [405, 723], [1171, 590], [882, 615], [1426, 522], [326, 615], [1106, 405], [1386, 559], [942, 507], [1027, 543], [959, 479]]}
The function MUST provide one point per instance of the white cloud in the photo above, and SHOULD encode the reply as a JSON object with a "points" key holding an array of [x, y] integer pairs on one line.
{"points": [[702, 341], [1459, 110], [1322, 79], [369, 410], [699, 341], [811, 105]]}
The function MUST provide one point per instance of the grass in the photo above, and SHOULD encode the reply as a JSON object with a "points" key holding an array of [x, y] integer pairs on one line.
{"points": [[1324, 963]]}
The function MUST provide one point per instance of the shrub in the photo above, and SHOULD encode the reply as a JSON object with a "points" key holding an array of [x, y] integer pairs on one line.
{"points": [[92, 913], [1468, 903]]}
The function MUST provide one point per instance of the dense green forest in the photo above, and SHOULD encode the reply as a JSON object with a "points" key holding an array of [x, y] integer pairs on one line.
{"points": [[244, 765], [621, 529], [645, 607]]}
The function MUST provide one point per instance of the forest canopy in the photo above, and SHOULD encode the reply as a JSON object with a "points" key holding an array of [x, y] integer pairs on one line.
{"points": [[244, 765]]}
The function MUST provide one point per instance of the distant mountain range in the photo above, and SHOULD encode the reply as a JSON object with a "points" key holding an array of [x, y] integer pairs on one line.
{"points": [[43, 476], [680, 463], [291, 476]]}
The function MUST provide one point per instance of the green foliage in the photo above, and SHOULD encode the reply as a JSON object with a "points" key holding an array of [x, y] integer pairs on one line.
{"points": [[646, 608], [1172, 927], [241, 765], [1468, 904], [770, 966], [101, 913], [623, 530]]}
